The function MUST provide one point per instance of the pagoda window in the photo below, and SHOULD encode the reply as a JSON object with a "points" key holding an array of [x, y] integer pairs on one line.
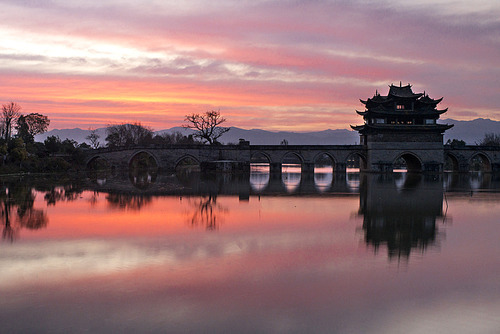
{"points": [[430, 121], [400, 107], [379, 121]]}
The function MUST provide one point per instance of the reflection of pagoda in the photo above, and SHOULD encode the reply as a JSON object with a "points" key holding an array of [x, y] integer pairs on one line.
{"points": [[400, 215], [399, 122]]}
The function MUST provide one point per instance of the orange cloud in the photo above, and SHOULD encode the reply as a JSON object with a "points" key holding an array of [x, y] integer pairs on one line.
{"points": [[300, 66]]}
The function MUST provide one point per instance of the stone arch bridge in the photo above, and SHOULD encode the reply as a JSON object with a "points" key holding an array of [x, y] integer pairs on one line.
{"points": [[239, 157]]}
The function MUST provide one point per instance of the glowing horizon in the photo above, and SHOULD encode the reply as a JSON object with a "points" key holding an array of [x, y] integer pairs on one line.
{"points": [[296, 66]]}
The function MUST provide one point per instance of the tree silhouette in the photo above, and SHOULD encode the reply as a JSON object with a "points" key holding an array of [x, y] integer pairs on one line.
{"points": [[207, 126], [128, 135], [30, 125], [10, 112], [93, 137], [490, 139]]}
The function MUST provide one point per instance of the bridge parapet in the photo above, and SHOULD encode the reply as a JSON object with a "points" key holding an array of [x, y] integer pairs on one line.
{"points": [[464, 157], [168, 157]]}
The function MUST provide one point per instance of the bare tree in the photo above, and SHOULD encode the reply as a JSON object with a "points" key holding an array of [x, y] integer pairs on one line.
{"points": [[93, 137], [207, 125], [490, 139], [10, 112]]}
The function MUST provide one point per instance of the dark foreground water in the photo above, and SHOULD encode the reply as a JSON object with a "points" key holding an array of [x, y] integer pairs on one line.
{"points": [[323, 253]]}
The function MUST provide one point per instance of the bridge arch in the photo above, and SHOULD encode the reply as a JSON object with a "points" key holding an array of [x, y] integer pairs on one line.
{"points": [[98, 162], [187, 160], [480, 162], [324, 158], [260, 157], [356, 160], [412, 161], [143, 158], [451, 162], [291, 157]]}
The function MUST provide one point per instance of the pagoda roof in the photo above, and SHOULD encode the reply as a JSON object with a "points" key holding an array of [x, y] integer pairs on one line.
{"points": [[403, 91], [401, 127], [377, 99], [382, 111], [427, 100]]}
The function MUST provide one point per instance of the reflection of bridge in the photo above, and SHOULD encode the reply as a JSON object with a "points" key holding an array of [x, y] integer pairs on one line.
{"points": [[239, 157], [400, 211], [261, 182]]}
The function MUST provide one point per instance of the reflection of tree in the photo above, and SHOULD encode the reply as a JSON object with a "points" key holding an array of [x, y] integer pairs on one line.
{"points": [[17, 210], [94, 198], [127, 201], [207, 213], [59, 194]]}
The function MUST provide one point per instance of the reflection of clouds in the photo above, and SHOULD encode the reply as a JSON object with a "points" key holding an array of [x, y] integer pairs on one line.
{"points": [[451, 314], [291, 176], [322, 180], [259, 176], [353, 180], [69, 259], [475, 180], [400, 179], [447, 180]]}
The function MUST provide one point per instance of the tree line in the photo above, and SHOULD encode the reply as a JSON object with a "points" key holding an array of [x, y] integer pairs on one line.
{"points": [[130, 135], [489, 139], [20, 152], [207, 130], [17, 133]]}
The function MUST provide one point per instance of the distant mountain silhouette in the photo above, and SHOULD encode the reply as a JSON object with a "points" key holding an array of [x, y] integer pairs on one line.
{"points": [[263, 137], [469, 131], [75, 134], [472, 132]]}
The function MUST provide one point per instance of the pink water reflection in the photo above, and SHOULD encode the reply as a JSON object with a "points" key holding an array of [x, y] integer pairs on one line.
{"points": [[274, 264]]}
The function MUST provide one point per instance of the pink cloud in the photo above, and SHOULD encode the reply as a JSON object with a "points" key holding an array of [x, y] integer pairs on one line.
{"points": [[249, 59]]}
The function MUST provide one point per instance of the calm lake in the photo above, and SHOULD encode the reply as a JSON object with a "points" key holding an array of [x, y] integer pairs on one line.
{"points": [[254, 253]]}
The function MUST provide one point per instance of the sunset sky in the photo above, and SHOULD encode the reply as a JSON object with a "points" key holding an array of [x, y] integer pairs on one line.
{"points": [[275, 65]]}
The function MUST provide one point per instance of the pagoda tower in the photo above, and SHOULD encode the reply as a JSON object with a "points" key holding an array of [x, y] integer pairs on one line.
{"points": [[402, 125]]}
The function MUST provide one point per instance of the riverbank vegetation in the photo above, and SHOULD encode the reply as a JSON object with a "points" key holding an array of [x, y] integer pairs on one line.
{"points": [[18, 150], [128, 135]]}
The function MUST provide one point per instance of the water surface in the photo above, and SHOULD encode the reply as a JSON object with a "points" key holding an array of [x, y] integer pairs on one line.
{"points": [[322, 252]]}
